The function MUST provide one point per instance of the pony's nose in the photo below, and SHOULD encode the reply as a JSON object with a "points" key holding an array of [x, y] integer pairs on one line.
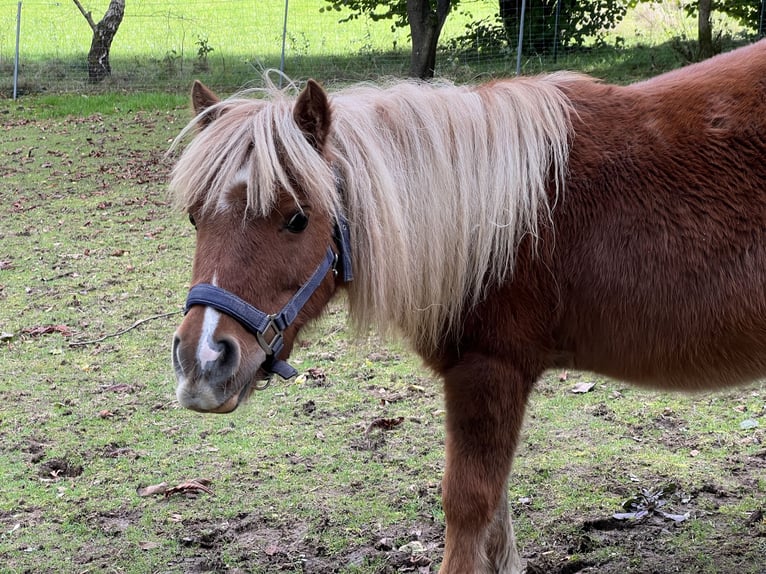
{"points": [[211, 360]]}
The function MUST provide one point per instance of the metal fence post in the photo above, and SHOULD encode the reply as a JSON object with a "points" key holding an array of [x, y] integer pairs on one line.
{"points": [[521, 36], [282, 57], [16, 55]]}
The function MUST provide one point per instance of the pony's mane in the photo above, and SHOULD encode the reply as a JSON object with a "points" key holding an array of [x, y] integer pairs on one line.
{"points": [[439, 183]]}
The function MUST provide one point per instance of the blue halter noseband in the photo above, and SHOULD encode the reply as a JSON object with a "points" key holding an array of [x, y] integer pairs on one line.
{"points": [[269, 328]]}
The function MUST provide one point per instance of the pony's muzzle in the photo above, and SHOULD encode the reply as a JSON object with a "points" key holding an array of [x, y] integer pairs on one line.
{"points": [[204, 371]]}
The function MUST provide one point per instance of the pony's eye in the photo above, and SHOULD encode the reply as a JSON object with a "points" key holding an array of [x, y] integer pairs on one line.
{"points": [[192, 221], [298, 222]]}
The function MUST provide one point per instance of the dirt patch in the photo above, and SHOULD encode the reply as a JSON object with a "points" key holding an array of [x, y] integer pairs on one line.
{"points": [[657, 545], [261, 544], [59, 468]]}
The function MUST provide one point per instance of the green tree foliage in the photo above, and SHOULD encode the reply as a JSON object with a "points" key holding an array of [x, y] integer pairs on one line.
{"points": [[579, 21], [746, 12], [425, 19], [374, 9]]}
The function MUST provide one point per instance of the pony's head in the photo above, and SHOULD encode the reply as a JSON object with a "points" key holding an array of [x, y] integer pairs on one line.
{"points": [[259, 187]]}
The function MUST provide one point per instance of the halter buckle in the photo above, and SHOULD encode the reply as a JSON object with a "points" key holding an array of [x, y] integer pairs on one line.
{"points": [[271, 343]]}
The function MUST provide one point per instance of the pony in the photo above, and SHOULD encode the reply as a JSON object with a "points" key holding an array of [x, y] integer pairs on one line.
{"points": [[502, 229]]}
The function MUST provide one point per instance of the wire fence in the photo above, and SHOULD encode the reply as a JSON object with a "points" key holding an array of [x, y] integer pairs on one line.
{"points": [[163, 45]]}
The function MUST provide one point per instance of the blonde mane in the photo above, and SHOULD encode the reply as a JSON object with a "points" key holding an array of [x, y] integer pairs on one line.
{"points": [[439, 184]]}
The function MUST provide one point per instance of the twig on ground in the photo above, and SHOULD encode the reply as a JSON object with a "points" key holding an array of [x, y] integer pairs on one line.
{"points": [[123, 331]]}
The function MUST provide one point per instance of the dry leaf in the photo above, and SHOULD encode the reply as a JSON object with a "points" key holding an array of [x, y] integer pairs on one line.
{"points": [[190, 487], [153, 489], [384, 424], [47, 330], [581, 388]]}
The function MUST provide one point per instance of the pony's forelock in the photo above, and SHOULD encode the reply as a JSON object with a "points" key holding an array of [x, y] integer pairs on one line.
{"points": [[251, 141]]}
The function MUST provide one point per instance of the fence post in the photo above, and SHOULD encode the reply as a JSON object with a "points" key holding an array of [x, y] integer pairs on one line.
{"points": [[16, 55], [556, 32], [282, 57], [521, 36], [760, 23]]}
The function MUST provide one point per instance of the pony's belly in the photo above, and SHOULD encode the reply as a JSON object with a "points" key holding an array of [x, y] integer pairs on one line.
{"points": [[698, 363]]}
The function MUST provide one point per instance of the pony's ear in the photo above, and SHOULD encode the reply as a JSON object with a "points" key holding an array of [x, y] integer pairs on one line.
{"points": [[202, 98], [312, 114]]}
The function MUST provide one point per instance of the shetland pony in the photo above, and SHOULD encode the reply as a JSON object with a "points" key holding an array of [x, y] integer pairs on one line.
{"points": [[503, 229]]}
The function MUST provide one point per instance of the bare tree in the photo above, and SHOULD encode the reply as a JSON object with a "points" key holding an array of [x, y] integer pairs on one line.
{"points": [[103, 34], [426, 22]]}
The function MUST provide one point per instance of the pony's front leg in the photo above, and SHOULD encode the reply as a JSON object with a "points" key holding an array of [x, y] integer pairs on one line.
{"points": [[485, 401], [502, 554]]}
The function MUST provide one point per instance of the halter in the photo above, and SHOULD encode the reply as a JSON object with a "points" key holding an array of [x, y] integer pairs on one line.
{"points": [[269, 328]]}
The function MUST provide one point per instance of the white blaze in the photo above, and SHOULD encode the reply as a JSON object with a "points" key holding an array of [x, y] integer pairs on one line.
{"points": [[205, 352]]}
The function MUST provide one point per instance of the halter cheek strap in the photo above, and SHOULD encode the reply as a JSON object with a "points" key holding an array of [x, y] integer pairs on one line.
{"points": [[269, 328]]}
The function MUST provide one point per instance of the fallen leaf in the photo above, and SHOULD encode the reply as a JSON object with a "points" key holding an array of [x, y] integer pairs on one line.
{"points": [[748, 424], [630, 515], [160, 488], [148, 545], [581, 388], [47, 330], [190, 487], [384, 424], [564, 376], [674, 517]]}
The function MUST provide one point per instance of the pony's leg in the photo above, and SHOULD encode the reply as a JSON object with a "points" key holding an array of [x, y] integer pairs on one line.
{"points": [[501, 541], [485, 401]]}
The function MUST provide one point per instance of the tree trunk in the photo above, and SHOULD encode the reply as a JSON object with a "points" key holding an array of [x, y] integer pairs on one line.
{"points": [[705, 30], [425, 26], [103, 34]]}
